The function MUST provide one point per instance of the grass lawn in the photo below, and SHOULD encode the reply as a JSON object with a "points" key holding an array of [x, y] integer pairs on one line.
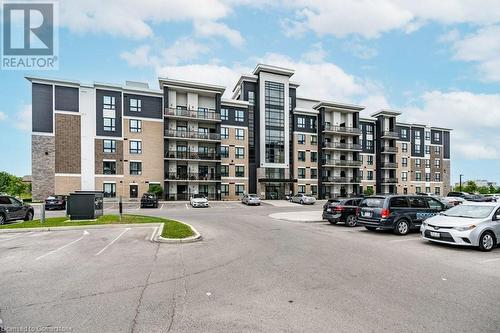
{"points": [[171, 229]]}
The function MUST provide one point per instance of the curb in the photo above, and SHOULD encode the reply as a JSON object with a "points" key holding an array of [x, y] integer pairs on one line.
{"points": [[195, 238]]}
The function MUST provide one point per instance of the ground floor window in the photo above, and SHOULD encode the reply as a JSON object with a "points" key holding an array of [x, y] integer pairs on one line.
{"points": [[240, 189], [427, 190], [109, 190], [224, 190], [314, 189], [418, 189], [302, 189], [437, 190]]}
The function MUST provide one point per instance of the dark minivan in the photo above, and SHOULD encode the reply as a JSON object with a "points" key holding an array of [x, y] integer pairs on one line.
{"points": [[400, 213]]}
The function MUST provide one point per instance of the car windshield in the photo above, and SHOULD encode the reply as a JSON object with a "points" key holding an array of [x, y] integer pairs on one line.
{"points": [[253, 196], [469, 211], [198, 196], [372, 202]]}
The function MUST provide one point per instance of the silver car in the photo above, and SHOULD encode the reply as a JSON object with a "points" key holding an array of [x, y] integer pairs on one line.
{"points": [[251, 199], [469, 224], [303, 199]]}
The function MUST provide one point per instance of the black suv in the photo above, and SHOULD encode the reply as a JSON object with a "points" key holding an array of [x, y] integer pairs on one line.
{"points": [[149, 200], [400, 213], [12, 209], [341, 210]]}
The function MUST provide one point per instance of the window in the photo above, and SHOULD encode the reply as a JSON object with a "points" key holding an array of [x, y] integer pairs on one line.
{"points": [[404, 147], [437, 176], [301, 139], [404, 133], [135, 105], [240, 189], [417, 135], [290, 104], [136, 168], [239, 116], [240, 152], [417, 149], [108, 102], [437, 150], [302, 156], [369, 144], [437, 136], [135, 125], [240, 134], [314, 189], [437, 190], [314, 173], [224, 114], [417, 163], [301, 189], [427, 189], [369, 129], [427, 149], [224, 132], [224, 151], [109, 146], [404, 162], [224, 190], [369, 175], [404, 176], [274, 122], [437, 163], [314, 139], [301, 173], [418, 202], [314, 156], [109, 124], [427, 163], [301, 122], [418, 189], [251, 98], [224, 170], [109, 190], [427, 135], [369, 159], [109, 168], [418, 175], [312, 123], [239, 171], [399, 202], [135, 147], [427, 177]]}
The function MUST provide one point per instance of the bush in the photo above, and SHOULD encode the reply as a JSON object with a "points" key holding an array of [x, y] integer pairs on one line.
{"points": [[368, 191], [156, 189]]}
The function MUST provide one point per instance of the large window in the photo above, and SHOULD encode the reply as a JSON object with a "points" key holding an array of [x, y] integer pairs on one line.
{"points": [[135, 125], [301, 122], [314, 156], [108, 103], [239, 116], [418, 175], [109, 167], [404, 147], [240, 189], [404, 162], [275, 122], [251, 98], [369, 159], [135, 105], [239, 152], [136, 168], [301, 139], [239, 171], [109, 190], [314, 173], [224, 132], [224, 114], [224, 151], [224, 190], [109, 146], [369, 175], [404, 133], [302, 156], [135, 147], [240, 134], [109, 124], [301, 173], [301, 189], [224, 170], [314, 139]]}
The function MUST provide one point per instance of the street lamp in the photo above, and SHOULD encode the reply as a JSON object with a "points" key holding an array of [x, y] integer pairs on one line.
{"points": [[460, 187]]}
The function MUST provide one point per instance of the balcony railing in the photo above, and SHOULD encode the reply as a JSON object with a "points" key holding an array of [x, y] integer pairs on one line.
{"points": [[191, 135], [337, 162], [389, 180], [341, 129], [387, 149], [187, 155], [195, 114], [342, 145], [191, 176], [390, 134], [341, 180], [389, 165]]}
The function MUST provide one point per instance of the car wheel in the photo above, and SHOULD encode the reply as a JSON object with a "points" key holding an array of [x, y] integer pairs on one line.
{"points": [[350, 221], [332, 221], [487, 241], [29, 216], [371, 228], [2, 219], [301, 202], [402, 228]]}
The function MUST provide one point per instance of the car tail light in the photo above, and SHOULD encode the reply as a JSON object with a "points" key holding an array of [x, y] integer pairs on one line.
{"points": [[339, 208], [385, 213], [358, 211]]}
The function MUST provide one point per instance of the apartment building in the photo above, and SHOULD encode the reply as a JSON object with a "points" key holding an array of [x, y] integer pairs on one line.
{"points": [[187, 138]]}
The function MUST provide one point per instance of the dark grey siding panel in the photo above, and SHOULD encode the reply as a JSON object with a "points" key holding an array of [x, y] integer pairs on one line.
{"points": [[118, 108], [308, 119], [446, 144], [439, 140], [150, 106], [422, 140], [408, 133], [42, 103], [231, 116], [66, 99], [364, 129], [253, 134]]}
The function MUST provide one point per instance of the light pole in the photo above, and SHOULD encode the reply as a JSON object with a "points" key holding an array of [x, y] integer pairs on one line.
{"points": [[460, 186]]}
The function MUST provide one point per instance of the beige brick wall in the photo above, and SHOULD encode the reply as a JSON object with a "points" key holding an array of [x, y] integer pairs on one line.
{"points": [[232, 162], [100, 156], [67, 184], [308, 148]]}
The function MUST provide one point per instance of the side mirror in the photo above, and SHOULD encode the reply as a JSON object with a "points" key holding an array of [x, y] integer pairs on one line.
{"points": [[496, 217]]}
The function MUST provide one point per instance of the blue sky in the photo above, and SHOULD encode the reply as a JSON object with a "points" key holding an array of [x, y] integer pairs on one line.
{"points": [[435, 62]]}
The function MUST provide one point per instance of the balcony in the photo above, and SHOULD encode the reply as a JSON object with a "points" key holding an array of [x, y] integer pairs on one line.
{"points": [[209, 115], [341, 180], [187, 155], [171, 133], [341, 129], [389, 150], [175, 176], [389, 165], [338, 162], [390, 135], [341, 146], [389, 180]]}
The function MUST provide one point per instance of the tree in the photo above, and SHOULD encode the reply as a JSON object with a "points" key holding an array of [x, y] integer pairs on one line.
{"points": [[12, 185], [368, 190], [156, 189], [483, 189]]}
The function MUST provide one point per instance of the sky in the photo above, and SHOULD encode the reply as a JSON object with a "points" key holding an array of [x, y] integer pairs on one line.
{"points": [[436, 62]]}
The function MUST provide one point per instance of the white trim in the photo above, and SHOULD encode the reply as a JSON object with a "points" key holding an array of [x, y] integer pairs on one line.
{"points": [[144, 119], [108, 160], [139, 161], [68, 175], [72, 113], [42, 134], [105, 176], [156, 183], [235, 146], [305, 133], [134, 139], [235, 178], [109, 182], [133, 183], [100, 137], [234, 126]]}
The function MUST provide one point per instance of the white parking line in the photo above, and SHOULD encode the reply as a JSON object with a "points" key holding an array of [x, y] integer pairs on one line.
{"points": [[155, 230], [187, 207], [404, 240], [114, 240], [85, 233], [161, 207], [489, 260], [21, 235]]}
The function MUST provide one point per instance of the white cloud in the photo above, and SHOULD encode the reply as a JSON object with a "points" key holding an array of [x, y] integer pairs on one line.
{"points": [[474, 118], [3, 116], [210, 28], [23, 118], [359, 49]]}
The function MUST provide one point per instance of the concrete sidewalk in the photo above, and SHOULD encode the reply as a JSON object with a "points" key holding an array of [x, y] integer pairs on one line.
{"points": [[309, 216]]}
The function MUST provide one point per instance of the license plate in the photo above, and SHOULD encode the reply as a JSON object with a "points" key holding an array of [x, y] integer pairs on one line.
{"points": [[328, 210], [366, 214], [435, 234]]}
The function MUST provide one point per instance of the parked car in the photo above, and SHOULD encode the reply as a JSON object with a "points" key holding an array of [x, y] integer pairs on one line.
{"points": [[400, 213], [469, 224], [453, 201], [303, 199], [251, 199], [55, 202], [494, 197], [199, 200], [468, 196], [343, 210], [149, 200], [13, 209]]}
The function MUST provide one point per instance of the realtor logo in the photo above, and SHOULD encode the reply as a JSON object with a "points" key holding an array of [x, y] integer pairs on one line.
{"points": [[30, 39]]}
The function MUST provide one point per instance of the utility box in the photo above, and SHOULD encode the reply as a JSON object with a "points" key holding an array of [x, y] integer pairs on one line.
{"points": [[85, 205]]}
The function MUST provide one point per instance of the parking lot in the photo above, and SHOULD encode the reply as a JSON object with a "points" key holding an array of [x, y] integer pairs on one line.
{"points": [[250, 273]]}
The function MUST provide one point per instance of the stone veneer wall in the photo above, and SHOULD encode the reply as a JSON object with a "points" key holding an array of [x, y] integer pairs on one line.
{"points": [[42, 166]]}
